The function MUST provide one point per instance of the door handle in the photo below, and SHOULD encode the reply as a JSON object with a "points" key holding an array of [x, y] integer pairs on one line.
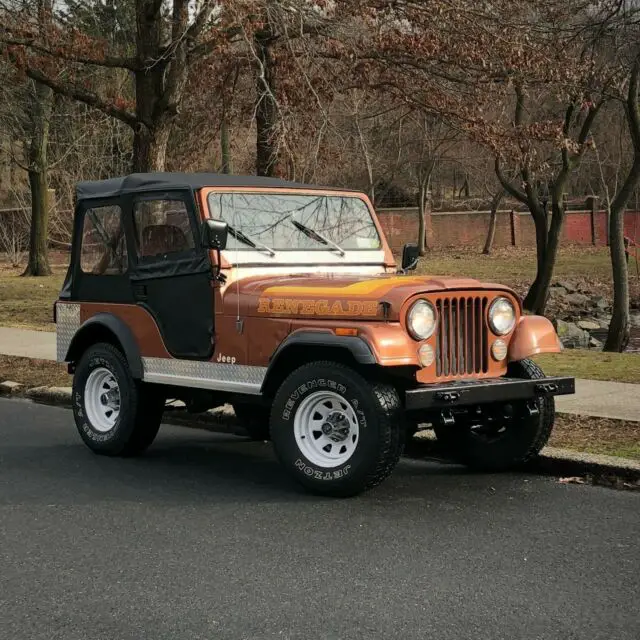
{"points": [[140, 291]]}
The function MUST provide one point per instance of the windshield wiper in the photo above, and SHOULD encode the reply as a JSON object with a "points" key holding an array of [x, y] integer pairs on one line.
{"points": [[315, 235], [254, 244]]}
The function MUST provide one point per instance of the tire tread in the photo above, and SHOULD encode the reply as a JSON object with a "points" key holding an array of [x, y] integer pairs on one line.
{"points": [[145, 404], [391, 423]]}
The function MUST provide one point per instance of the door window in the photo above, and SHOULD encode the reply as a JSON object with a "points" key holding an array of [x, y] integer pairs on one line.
{"points": [[162, 228], [104, 246]]}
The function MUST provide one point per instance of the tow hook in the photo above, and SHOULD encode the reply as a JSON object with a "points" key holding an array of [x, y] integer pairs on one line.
{"points": [[547, 387], [448, 396], [533, 409], [447, 419]]}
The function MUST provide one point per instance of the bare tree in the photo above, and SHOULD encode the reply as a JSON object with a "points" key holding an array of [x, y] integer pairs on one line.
{"points": [[496, 199], [579, 115], [618, 335], [167, 38], [432, 138]]}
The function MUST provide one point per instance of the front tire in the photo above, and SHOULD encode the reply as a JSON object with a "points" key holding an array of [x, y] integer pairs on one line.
{"points": [[508, 443], [334, 432], [115, 415]]}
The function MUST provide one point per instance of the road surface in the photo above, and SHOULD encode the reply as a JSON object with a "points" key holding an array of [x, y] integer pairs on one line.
{"points": [[205, 537]]}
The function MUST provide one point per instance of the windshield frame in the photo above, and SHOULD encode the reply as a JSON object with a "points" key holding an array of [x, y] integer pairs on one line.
{"points": [[381, 250]]}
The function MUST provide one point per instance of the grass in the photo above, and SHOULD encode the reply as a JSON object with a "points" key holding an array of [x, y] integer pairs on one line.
{"points": [[28, 302], [618, 367], [34, 373], [597, 435], [516, 267], [513, 265]]}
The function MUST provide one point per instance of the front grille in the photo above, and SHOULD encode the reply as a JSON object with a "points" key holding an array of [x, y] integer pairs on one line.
{"points": [[461, 342]]}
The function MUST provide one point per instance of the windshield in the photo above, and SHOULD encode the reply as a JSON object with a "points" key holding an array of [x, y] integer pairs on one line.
{"points": [[286, 221]]}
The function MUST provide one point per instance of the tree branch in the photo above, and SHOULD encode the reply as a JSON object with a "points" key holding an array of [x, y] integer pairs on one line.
{"points": [[588, 122], [568, 116], [632, 109], [508, 186], [201, 20], [633, 120], [519, 115], [87, 97], [152, 8], [114, 62]]}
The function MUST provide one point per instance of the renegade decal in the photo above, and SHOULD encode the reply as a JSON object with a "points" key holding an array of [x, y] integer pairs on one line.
{"points": [[318, 307]]}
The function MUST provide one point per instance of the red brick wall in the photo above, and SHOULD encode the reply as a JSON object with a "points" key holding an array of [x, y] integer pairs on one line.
{"points": [[470, 228]]}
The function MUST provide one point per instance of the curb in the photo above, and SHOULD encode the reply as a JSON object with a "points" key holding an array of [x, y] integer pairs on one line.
{"points": [[565, 463], [572, 466], [50, 395]]}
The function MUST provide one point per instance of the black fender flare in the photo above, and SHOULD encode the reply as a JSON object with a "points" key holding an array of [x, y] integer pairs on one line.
{"points": [[359, 349], [122, 333]]}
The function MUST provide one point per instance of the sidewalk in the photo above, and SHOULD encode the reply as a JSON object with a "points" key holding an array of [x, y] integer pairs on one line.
{"points": [[27, 343], [616, 400]]}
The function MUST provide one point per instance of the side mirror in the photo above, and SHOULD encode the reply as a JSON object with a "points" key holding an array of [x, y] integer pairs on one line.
{"points": [[214, 234], [410, 256]]}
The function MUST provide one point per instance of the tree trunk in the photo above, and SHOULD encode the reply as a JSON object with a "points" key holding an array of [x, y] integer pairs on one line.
{"points": [[158, 86], [267, 134], [540, 223], [618, 335], [225, 147], [150, 147], [465, 188], [545, 272], [422, 228], [491, 233], [619, 330], [38, 264]]}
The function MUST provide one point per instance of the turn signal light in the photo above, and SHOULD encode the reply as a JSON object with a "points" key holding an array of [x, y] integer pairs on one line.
{"points": [[426, 355], [499, 350], [346, 331]]}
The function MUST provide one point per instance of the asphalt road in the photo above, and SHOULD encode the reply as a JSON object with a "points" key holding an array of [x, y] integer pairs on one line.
{"points": [[205, 537]]}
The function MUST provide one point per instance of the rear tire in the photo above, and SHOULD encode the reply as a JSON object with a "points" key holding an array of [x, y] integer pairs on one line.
{"points": [[520, 439], [115, 415], [336, 433]]}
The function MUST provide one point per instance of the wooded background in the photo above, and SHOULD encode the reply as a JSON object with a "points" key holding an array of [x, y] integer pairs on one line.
{"points": [[419, 103]]}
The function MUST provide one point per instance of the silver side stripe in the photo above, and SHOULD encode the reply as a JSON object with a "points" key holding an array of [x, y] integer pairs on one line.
{"points": [[204, 375], [67, 323]]}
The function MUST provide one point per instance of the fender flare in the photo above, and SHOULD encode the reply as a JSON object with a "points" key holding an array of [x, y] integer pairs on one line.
{"points": [[533, 335], [121, 332], [355, 345]]}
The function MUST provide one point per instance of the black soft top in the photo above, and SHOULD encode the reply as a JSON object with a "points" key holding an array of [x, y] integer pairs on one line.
{"points": [[161, 181]]}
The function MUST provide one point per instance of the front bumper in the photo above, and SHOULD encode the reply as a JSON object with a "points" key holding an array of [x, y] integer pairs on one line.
{"points": [[461, 393]]}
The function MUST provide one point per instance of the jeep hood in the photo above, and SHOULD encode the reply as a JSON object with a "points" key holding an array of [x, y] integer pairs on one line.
{"points": [[335, 295]]}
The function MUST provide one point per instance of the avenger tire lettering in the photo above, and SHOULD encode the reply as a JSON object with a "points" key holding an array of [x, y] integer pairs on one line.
{"points": [[369, 430]]}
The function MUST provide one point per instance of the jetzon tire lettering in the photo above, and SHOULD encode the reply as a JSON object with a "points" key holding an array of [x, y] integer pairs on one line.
{"points": [[334, 431]]}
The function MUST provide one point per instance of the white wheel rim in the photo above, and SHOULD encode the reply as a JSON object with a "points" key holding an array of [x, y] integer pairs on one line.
{"points": [[326, 429], [102, 400]]}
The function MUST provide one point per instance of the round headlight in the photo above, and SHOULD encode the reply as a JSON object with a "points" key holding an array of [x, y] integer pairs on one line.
{"points": [[502, 316], [421, 320]]}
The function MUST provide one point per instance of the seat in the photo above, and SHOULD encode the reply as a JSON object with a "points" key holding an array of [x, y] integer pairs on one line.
{"points": [[159, 239]]}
